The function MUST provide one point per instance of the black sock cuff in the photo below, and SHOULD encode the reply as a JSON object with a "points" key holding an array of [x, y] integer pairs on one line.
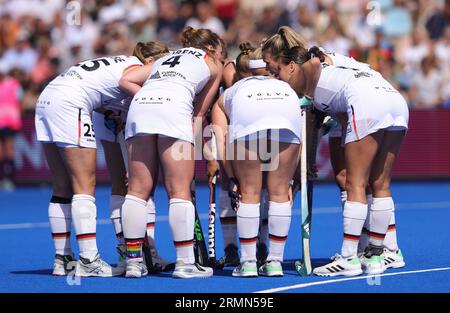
{"points": [[61, 200]]}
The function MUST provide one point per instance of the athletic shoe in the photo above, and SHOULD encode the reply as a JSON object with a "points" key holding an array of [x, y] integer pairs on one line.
{"points": [[96, 268], [340, 266], [261, 254], [183, 270], [62, 265], [136, 268], [372, 262], [393, 259], [246, 269], [231, 257], [271, 269], [160, 263]]}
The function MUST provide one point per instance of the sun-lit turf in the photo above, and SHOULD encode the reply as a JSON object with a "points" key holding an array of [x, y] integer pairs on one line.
{"points": [[423, 223]]}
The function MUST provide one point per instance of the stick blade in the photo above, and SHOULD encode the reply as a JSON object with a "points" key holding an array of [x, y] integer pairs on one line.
{"points": [[302, 268]]}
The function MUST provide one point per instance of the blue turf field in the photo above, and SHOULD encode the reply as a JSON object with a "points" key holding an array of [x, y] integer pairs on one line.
{"points": [[423, 223]]}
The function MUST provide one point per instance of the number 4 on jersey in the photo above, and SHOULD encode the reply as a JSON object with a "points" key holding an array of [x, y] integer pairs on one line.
{"points": [[172, 61]]}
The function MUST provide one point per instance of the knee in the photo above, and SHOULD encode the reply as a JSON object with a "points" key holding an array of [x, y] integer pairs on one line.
{"points": [[341, 178], [250, 193], [352, 184]]}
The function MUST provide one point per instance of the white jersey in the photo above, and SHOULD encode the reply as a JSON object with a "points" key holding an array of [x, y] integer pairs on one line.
{"points": [[94, 83], [340, 60], [184, 70], [165, 104], [261, 103], [371, 103]]}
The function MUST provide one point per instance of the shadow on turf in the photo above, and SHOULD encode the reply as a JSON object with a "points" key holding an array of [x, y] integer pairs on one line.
{"points": [[46, 272]]}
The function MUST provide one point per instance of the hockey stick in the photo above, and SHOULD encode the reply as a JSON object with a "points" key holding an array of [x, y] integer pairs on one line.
{"points": [[120, 139], [304, 268], [200, 251], [213, 262]]}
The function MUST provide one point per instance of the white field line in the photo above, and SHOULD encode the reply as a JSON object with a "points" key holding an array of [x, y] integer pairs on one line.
{"points": [[333, 281], [296, 212]]}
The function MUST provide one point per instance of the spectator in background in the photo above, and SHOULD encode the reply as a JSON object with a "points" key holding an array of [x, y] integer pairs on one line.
{"points": [[416, 48], [439, 21], [22, 55], [226, 10], [204, 18], [10, 124], [427, 86], [171, 20], [269, 22]]}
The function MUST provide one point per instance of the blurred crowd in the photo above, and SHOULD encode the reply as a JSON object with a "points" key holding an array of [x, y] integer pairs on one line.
{"points": [[408, 41]]}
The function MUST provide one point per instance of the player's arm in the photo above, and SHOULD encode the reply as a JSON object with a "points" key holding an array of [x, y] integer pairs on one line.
{"points": [[205, 98], [219, 121], [229, 74], [133, 78]]}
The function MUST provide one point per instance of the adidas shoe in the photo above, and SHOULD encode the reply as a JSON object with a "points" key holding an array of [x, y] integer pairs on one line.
{"points": [[393, 259], [231, 257], [63, 264], [271, 269], [340, 266], [183, 270], [96, 268], [246, 269], [372, 261], [136, 268]]}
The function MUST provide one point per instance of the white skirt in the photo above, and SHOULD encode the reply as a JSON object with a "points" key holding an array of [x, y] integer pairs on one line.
{"points": [[373, 105], [160, 113], [59, 120]]}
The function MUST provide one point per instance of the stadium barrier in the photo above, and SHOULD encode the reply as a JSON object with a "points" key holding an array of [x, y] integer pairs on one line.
{"points": [[425, 153]]}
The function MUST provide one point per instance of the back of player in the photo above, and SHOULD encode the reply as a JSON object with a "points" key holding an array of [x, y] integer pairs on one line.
{"points": [[165, 103], [261, 103]]}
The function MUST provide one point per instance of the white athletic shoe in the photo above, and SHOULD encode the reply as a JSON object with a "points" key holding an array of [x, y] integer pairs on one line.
{"points": [[393, 259], [246, 269], [340, 266], [183, 270], [271, 269], [96, 268], [136, 268], [62, 265], [372, 260]]}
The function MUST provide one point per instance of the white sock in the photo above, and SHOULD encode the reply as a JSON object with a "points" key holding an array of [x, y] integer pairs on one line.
{"points": [[279, 223], [60, 217], [151, 219], [247, 225], [227, 219], [355, 214], [134, 215], [84, 216], [364, 239], [181, 220], [264, 214], [343, 198], [379, 217], [115, 207], [390, 241]]}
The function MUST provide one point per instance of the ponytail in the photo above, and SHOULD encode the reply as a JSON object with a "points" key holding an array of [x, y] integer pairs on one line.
{"points": [[248, 52], [285, 38], [301, 55], [201, 38], [149, 49]]}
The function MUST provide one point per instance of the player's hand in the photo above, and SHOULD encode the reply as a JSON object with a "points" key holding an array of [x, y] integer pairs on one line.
{"points": [[113, 122], [233, 193], [212, 169]]}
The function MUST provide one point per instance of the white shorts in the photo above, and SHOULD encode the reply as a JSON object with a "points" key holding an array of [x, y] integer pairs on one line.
{"points": [[373, 104], [153, 113], [101, 132], [59, 121]]}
